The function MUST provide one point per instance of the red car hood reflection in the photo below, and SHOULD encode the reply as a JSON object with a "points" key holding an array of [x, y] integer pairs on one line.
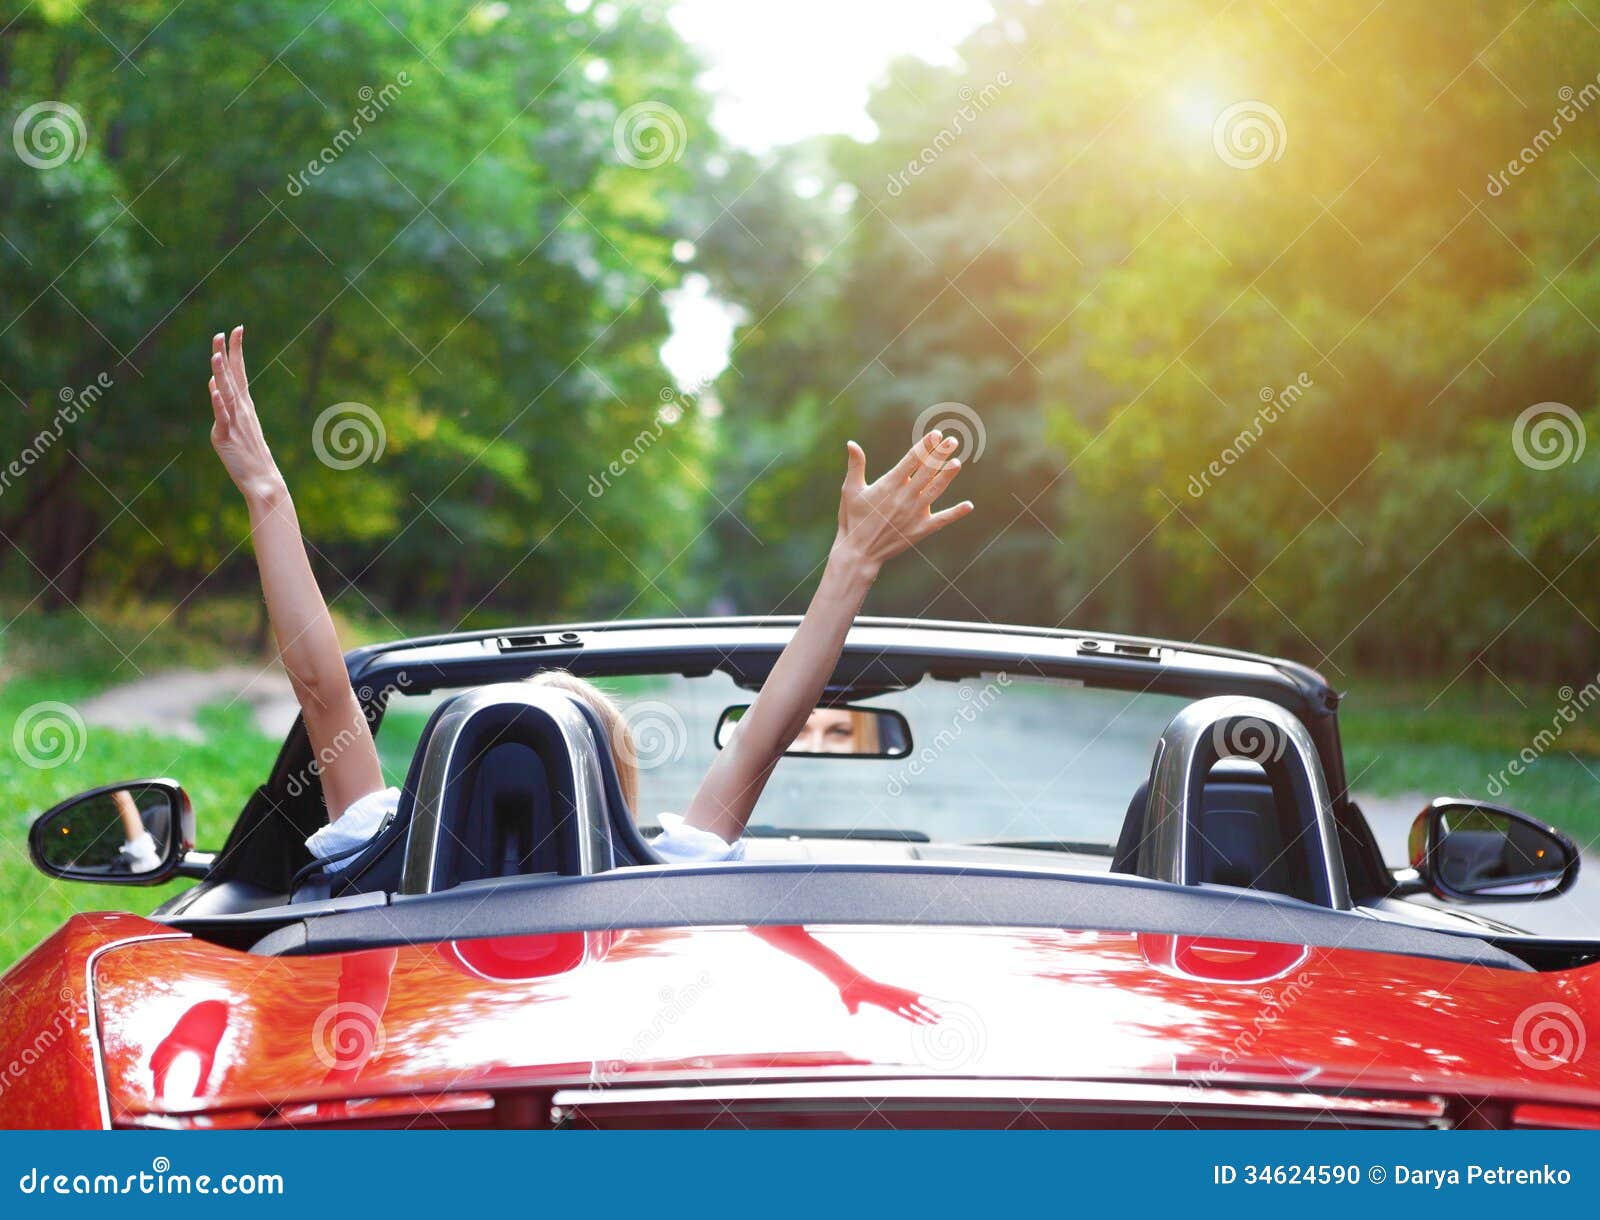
{"points": [[189, 1027]]}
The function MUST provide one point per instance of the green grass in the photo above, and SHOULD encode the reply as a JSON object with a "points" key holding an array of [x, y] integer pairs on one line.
{"points": [[67, 657], [1399, 738], [1407, 737]]}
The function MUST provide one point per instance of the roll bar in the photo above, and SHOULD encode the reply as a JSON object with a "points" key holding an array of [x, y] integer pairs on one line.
{"points": [[543, 718], [1238, 726]]}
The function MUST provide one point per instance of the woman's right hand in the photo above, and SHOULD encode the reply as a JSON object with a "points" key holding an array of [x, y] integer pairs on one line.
{"points": [[236, 435]]}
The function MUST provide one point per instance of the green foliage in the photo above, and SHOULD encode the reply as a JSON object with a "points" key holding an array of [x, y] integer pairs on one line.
{"points": [[413, 209], [1046, 232]]}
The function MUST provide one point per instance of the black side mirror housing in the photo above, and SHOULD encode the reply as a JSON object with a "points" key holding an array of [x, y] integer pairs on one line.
{"points": [[132, 833], [1469, 851]]}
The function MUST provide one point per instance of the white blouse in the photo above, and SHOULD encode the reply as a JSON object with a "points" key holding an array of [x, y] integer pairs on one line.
{"points": [[676, 843]]}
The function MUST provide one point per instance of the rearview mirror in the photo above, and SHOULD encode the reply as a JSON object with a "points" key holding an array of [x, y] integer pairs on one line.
{"points": [[1476, 852], [134, 833], [835, 732]]}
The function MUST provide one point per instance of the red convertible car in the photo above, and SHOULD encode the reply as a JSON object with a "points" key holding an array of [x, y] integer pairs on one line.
{"points": [[1047, 878]]}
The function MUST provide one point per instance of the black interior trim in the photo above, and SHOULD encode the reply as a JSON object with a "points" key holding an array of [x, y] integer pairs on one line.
{"points": [[749, 894]]}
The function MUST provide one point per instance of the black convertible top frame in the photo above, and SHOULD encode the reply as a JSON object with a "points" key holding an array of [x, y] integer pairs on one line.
{"points": [[880, 654]]}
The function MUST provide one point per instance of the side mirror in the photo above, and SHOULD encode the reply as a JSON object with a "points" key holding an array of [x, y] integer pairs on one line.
{"points": [[122, 834], [1470, 851], [835, 732]]}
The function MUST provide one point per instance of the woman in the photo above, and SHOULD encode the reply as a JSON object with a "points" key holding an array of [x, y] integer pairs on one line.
{"points": [[877, 521]]}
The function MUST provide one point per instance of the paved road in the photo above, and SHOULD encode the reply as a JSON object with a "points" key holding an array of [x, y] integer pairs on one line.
{"points": [[166, 703]]}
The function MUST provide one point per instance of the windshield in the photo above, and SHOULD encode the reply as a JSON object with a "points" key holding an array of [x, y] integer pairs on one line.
{"points": [[996, 758]]}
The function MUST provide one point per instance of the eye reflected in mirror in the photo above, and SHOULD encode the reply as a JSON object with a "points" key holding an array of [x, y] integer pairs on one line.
{"points": [[829, 732], [1471, 851], [131, 835]]}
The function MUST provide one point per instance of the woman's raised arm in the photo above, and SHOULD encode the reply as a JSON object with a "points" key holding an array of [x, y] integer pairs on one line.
{"points": [[876, 522], [341, 739]]}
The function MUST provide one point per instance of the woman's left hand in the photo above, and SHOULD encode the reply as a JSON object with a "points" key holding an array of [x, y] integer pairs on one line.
{"points": [[879, 520]]}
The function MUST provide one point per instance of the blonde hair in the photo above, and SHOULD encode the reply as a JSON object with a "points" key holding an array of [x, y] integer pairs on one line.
{"points": [[618, 735]]}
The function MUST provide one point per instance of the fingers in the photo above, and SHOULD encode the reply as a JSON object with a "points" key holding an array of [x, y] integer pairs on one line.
{"points": [[220, 370], [937, 521], [224, 382], [227, 366], [855, 472], [220, 385], [917, 456], [931, 489], [934, 460], [236, 359], [218, 407]]}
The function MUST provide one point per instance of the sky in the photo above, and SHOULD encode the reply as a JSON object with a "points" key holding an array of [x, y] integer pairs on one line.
{"points": [[783, 70], [786, 70]]}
